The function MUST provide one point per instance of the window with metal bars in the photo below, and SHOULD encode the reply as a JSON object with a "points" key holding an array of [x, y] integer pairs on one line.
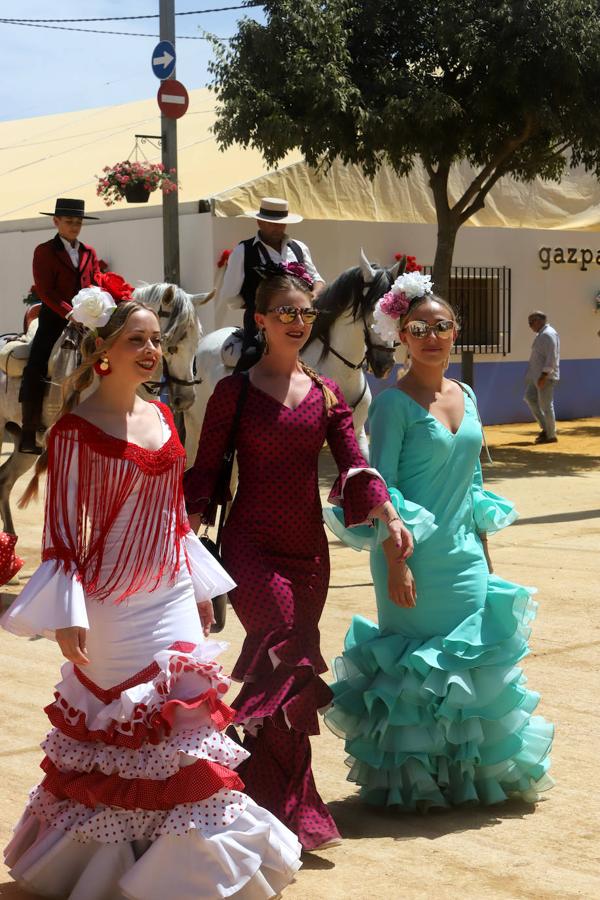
{"points": [[481, 296]]}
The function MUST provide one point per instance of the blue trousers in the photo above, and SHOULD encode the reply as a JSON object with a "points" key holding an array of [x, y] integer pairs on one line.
{"points": [[541, 403]]}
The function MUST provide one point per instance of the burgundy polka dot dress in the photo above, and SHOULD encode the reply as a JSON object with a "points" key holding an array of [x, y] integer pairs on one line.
{"points": [[275, 548], [141, 797]]}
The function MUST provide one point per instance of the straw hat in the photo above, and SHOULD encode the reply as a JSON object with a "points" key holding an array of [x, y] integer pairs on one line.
{"points": [[274, 209]]}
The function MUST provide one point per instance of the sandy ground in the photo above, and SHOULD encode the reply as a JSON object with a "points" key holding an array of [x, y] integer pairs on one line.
{"points": [[509, 851]]}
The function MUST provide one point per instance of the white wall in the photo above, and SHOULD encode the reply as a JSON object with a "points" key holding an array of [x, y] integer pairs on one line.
{"points": [[564, 292]]}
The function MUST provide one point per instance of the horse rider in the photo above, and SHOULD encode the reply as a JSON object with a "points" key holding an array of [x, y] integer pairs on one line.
{"points": [[61, 267], [270, 246]]}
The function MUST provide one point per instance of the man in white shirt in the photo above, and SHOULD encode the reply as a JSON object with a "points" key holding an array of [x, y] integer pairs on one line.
{"points": [[542, 376], [267, 249]]}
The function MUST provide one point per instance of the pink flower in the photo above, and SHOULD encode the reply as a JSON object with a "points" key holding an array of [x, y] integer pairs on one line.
{"points": [[394, 305]]}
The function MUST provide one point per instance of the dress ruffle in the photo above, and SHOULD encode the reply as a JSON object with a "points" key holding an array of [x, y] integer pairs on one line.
{"points": [[419, 521], [209, 578], [490, 511], [62, 848], [448, 720], [157, 761], [181, 687], [149, 805], [51, 599], [281, 681]]}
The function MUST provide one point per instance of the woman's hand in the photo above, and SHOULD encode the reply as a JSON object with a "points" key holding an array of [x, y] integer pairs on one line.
{"points": [[72, 642], [401, 584], [401, 537], [399, 533], [207, 616]]}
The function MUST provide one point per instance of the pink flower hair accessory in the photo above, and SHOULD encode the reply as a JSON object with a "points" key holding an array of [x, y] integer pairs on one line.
{"points": [[298, 271]]}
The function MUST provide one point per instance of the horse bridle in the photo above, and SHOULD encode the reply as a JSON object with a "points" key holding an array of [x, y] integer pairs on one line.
{"points": [[369, 350]]}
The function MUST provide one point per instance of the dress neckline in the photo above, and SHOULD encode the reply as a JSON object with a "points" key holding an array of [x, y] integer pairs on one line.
{"points": [[106, 434], [435, 418], [278, 402]]}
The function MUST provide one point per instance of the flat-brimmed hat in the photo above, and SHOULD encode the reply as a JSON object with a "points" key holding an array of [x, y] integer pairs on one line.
{"points": [[65, 206], [274, 209]]}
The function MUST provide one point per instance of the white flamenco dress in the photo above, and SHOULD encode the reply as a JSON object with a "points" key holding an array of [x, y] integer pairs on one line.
{"points": [[140, 797]]}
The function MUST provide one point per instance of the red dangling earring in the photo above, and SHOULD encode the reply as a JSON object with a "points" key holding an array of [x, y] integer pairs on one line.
{"points": [[102, 367]]}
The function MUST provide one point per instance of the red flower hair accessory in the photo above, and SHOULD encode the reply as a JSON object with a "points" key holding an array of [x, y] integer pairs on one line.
{"points": [[115, 285]]}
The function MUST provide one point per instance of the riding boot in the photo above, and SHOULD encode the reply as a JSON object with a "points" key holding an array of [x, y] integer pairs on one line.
{"points": [[32, 421]]}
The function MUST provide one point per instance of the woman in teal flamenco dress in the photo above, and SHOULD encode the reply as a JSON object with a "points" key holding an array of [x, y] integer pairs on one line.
{"points": [[431, 702]]}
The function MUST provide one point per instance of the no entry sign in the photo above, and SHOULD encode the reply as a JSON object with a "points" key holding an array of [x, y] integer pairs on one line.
{"points": [[173, 99]]}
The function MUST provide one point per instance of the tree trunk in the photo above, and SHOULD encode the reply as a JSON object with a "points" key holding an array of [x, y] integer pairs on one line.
{"points": [[442, 266]]}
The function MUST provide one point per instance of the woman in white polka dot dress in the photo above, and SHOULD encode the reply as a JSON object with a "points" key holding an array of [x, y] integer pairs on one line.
{"points": [[140, 797]]}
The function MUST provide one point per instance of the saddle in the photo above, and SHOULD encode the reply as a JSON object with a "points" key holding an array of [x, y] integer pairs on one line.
{"points": [[14, 352], [232, 349]]}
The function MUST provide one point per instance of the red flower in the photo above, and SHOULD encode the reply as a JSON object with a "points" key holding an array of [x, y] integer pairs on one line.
{"points": [[116, 286], [223, 259]]}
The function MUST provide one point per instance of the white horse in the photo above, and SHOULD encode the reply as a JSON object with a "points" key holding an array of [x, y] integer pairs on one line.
{"points": [[180, 329], [342, 346]]}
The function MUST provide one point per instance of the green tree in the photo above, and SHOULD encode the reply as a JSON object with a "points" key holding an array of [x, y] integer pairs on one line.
{"points": [[511, 87]]}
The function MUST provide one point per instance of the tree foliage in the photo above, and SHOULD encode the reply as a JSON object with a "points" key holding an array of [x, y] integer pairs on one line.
{"points": [[511, 87]]}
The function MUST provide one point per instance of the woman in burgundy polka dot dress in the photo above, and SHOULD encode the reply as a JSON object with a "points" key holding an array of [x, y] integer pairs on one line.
{"points": [[275, 546], [140, 797]]}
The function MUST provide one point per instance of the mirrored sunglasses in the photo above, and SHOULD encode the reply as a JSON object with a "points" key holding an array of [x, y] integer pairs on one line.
{"points": [[420, 330], [289, 314]]}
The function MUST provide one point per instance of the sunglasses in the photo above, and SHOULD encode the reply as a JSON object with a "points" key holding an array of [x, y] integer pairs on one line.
{"points": [[420, 330], [289, 314]]}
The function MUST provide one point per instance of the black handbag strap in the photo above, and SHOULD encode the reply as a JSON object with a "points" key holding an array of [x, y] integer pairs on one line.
{"points": [[229, 455]]}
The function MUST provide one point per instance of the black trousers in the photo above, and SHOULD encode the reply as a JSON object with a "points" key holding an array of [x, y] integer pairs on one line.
{"points": [[35, 374]]}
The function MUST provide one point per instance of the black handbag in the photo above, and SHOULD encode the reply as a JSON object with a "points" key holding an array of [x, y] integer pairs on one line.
{"points": [[220, 498]]}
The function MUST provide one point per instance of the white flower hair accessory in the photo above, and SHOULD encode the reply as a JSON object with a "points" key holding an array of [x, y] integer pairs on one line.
{"points": [[395, 303], [92, 307]]}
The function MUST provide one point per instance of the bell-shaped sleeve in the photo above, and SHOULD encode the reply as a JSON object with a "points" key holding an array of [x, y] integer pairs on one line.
{"points": [[387, 425], [209, 578], [201, 480], [490, 511], [359, 487], [54, 596]]}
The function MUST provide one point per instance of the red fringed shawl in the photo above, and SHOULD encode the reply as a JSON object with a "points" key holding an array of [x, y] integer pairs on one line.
{"points": [[114, 511]]}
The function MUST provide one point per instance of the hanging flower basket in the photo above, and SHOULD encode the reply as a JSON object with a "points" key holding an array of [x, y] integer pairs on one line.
{"points": [[134, 181], [136, 192]]}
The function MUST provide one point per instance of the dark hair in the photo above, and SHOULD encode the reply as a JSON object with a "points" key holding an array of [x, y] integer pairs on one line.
{"points": [[281, 283], [83, 377]]}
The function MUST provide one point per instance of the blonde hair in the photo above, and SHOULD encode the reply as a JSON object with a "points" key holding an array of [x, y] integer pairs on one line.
{"points": [[82, 378], [283, 283]]}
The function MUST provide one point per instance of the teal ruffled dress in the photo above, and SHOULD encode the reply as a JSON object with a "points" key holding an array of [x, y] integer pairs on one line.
{"points": [[431, 702]]}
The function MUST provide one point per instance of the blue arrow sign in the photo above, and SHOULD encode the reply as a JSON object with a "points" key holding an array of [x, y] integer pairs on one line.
{"points": [[163, 60]]}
